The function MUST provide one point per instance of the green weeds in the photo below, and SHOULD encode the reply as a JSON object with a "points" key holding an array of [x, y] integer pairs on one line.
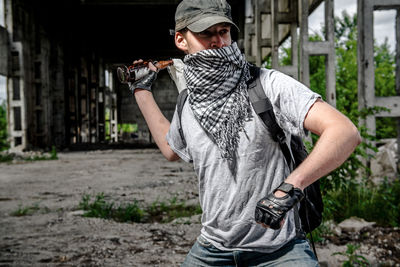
{"points": [[52, 156], [353, 259], [5, 158], [8, 157], [168, 211], [25, 211], [380, 204], [158, 211]]}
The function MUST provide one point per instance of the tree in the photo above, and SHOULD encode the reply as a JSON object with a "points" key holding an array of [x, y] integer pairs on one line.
{"points": [[3, 128], [347, 90]]}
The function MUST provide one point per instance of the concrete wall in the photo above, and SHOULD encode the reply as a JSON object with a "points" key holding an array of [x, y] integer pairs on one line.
{"points": [[4, 51], [39, 66]]}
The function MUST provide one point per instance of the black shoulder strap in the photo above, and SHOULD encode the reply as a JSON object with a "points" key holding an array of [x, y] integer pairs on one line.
{"points": [[263, 107], [179, 104]]}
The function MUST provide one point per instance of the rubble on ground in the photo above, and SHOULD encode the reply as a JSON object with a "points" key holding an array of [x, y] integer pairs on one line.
{"points": [[384, 165]]}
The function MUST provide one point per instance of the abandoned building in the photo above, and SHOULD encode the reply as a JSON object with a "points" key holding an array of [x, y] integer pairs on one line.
{"points": [[60, 58]]}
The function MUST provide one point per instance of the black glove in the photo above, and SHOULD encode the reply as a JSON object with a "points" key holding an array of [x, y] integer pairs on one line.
{"points": [[145, 82], [271, 210]]}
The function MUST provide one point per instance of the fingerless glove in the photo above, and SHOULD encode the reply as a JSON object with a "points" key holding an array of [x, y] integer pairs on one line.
{"points": [[271, 210]]}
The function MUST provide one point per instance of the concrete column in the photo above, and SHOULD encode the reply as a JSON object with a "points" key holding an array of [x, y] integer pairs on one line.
{"points": [[366, 71], [330, 72], [304, 54], [398, 82]]}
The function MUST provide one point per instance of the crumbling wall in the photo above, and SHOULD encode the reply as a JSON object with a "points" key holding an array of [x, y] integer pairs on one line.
{"points": [[37, 68]]}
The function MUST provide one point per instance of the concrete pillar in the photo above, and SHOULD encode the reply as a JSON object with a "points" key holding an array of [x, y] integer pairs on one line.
{"points": [[398, 81], [326, 48], [304, 53], [366, 72]]}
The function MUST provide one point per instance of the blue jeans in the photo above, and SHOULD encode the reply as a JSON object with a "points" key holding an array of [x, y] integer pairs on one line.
{"points": [[296, 253]]}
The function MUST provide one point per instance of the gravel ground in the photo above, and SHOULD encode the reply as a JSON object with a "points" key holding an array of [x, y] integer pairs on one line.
{"points": [[56, 235]]}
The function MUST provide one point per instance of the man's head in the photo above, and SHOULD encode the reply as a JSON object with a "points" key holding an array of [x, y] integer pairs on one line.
{"points": [[202, 24], [199, 15]]}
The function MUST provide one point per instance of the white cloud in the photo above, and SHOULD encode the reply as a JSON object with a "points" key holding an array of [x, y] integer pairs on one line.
{"points": [[384, 21], [2, 22], [3, 94], [350, 6], [384, 26]]}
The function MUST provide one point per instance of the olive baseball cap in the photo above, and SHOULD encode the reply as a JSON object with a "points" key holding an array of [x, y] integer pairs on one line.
{"points": [[198, 15]]}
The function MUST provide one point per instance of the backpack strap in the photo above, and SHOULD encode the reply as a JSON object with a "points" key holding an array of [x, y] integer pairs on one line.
{"points": [[263, 107], [179, 104]]}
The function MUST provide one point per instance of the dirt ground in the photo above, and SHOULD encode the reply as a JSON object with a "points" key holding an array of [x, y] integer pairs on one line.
{"points": [[56, 235]]}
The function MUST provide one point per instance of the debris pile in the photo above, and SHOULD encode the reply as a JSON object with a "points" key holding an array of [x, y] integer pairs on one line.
{"points": [[385, 162], [378, 244]]}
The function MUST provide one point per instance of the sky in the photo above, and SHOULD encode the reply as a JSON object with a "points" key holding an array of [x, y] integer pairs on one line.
{"points": [[2, 13], [384, 21], [3, 96]]}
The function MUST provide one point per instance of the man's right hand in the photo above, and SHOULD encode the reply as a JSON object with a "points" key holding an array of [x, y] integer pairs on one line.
{"points": [[147, 81], [271, 210]]}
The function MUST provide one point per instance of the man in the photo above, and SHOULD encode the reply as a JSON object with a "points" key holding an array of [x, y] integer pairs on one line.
{"points": [[234, 156]]}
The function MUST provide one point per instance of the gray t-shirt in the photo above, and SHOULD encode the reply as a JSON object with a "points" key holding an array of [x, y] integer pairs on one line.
{"points": [[228, 201]]}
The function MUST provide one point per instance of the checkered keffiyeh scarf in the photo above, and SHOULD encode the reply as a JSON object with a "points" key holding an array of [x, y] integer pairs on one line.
{"points": [[217, 92]]}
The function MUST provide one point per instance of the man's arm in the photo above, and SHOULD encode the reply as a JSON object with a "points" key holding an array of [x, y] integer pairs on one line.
{"points": [[156, 121], [338, 139]]}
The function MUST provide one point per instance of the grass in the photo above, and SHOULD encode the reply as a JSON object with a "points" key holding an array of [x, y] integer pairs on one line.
{"points": [[100, 208], [172, 209], [352, 257], [52, 156], [6, 158], [158, 211], [10, 157], [25, 211], [380, 204]]}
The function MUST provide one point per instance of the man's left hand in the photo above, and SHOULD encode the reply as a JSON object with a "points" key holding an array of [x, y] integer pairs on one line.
{"points": [[271, 210]]}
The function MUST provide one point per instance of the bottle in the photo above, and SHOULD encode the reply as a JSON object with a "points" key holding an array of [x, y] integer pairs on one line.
{"points": [[135, 72]]}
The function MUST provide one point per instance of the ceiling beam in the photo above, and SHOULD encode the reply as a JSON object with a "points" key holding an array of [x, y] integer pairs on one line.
{"points": [[129, 2]]}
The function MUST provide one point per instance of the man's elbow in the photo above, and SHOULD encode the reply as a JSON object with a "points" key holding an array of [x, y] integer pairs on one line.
{"points": [[355, 136], [171, 156]]}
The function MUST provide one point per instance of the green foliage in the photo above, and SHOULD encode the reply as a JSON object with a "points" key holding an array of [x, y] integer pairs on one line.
{"points": [[353, 259], [53, 153], [5, 158], [385, 77], [52, 156], [127, 127], [379, 204], [346, 92], [25, 211], [343, 196], [347, 71], [100, 208], [3, 130], [319, 233], [158, 211], [168, 211]]}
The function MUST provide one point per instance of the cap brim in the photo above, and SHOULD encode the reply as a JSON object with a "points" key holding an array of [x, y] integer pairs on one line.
{"points": [[205, 23]]}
